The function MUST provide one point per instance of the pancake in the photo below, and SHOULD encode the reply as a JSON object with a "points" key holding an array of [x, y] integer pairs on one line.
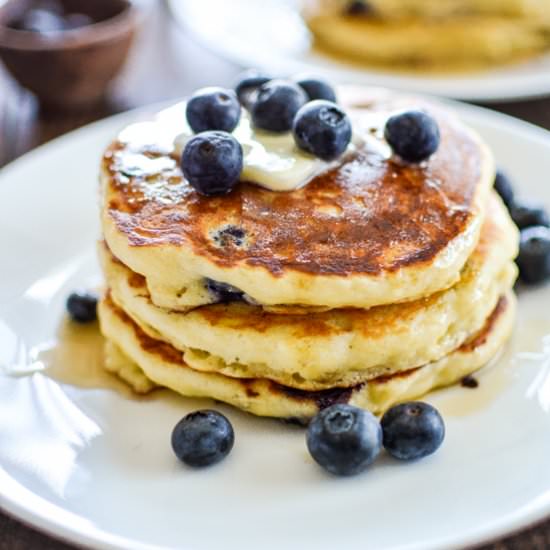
{"points": [[117, 363], [334, 348], [424, 33], [164, 365], [371, 231], [433, 9]]}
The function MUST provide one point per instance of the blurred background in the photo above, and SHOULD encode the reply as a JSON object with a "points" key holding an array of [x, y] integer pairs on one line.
{"points": [[157, 50]]}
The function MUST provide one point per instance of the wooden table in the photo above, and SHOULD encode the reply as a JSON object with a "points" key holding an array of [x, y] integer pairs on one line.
{"points": [[166, 64]]}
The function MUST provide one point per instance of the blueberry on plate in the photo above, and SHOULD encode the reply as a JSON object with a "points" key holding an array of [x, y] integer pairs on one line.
{"points": [[344, 440], [82, 306], [316, 88], [213, 109], [527, 214], [413, 135], [248, 84], [212, 163], [202, 438], [322, 129], [412, 430], [276, 104], [534, 255], [503, 186]]}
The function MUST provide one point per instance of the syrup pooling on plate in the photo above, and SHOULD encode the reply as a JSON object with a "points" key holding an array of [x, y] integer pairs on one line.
{"points": [[76, 358]]}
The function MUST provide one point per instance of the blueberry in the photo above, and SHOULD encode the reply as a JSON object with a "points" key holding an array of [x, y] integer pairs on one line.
{"points": [[503, 186], [534, 255], [413, 135], [469, 382], [412, 430], [230, 235], [212, 163], [316, 88], [358, 7], [248, 85], [213, 109], [322, 129], [82, 307], [344, 440], [276, 104], [527, 214], [202, 438], [222, 292]]}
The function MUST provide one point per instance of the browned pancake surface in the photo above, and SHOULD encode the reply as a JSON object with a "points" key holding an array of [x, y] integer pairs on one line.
{"points": [[370, 214]]}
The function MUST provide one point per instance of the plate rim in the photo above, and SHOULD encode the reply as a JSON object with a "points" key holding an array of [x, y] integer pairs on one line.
{"points": [[47, 521]]}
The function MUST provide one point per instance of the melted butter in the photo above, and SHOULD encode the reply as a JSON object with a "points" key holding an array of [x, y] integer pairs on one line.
{"points": [[271, 160], [139, 165], [148, 136]]}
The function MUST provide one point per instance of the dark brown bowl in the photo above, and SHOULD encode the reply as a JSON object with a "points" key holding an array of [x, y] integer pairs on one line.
{"points": [[70, 69]]}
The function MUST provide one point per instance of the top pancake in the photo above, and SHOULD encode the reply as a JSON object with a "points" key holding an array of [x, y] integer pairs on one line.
{"points": [[370, 231]]}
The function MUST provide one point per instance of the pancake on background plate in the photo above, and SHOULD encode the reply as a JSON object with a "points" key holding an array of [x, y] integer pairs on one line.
{"points": [[375, 282], [430, 33]]}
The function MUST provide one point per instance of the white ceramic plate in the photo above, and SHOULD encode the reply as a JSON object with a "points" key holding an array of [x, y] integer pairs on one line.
{"points": [[96, 468], [272, 35]]}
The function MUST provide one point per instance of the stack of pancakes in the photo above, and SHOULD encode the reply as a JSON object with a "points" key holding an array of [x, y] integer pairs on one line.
{"points": [[430, 32], [374, 283]]}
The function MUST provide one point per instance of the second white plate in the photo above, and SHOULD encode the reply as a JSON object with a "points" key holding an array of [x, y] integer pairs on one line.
{"points": [[271, 34]]}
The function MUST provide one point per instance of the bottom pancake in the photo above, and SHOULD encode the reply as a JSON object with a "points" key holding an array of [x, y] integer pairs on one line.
{"points": [[136, 357], [118, 363]]}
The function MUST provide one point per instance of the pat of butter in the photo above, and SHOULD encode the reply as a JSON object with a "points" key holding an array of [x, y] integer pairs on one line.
{"points": [[270, 160]]}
